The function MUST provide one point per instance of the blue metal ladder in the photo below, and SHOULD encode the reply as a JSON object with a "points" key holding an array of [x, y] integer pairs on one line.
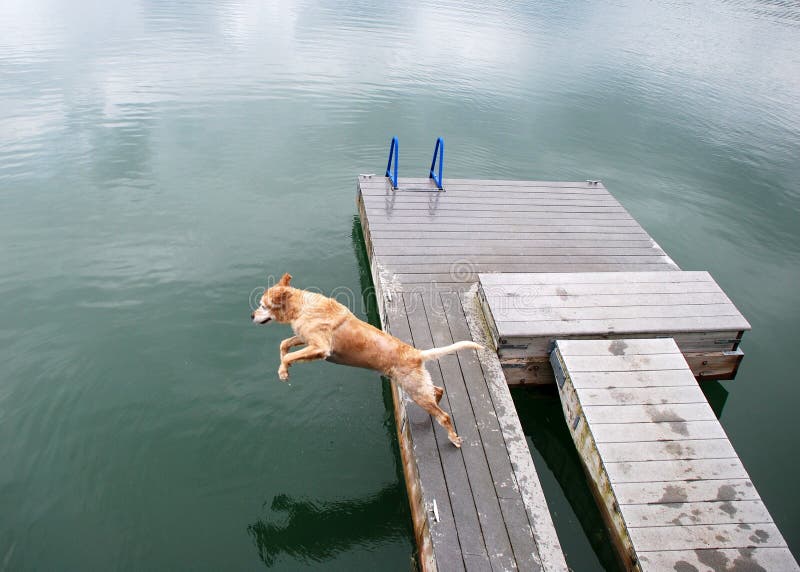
{"points": [[438, 152]]}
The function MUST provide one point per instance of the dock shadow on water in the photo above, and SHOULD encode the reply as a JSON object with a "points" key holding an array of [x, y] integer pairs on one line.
{"points": [[579, 524], [315, 531]]}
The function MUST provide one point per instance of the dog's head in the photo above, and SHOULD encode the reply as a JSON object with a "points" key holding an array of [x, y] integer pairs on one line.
{"points": [[273, 304]]}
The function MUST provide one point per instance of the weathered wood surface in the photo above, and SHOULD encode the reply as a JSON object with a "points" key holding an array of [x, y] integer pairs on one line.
{"points": [[528, 311], [484, 520], [492, 514], [674, 492], [420, 235], [569, 240]]}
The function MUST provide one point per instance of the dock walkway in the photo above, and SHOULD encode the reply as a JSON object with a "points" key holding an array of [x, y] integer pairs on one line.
{"points": [[481, 507], [670, 484]]}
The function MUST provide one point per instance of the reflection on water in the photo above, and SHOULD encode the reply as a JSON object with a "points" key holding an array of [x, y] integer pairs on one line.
{"points": [[308, 530]]}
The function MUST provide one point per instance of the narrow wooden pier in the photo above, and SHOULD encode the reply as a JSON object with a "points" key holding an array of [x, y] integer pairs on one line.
{"points": [[480, 507], [670, 485], [444, 264]]}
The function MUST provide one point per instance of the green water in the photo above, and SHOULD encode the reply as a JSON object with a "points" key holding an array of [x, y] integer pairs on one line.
{"points": [[159, 161]]}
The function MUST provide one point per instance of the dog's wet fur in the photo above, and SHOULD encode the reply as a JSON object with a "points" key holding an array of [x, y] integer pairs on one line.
{"points": [[331, 332]]}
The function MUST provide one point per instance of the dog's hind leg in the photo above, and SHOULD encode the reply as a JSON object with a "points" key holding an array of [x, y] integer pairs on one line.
{"points": [[418, 385], [309, 353]]}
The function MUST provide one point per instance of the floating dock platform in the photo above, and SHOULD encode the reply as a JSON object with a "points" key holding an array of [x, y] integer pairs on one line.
{"points": [[669, 483], [528, 312], [519, 266]]}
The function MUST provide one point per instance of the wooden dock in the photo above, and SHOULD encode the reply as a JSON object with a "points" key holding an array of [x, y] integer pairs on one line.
{"points": [[528, 312], [669, 483], [481, 507]]}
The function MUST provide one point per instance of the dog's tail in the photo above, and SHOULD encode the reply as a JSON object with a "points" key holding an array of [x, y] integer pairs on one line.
{"points": [[434, 353]]}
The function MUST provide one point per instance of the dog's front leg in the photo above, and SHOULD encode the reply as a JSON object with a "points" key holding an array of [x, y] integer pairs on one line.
{"points": [[289, 343], [310, 353]]}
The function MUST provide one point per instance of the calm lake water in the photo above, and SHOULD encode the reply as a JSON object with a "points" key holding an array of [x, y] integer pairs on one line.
{"points": [[158, 161]]}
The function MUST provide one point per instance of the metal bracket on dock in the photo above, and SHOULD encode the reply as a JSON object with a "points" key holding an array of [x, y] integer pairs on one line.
{"points": [[393, 152], [435, 510], [440, 150]]}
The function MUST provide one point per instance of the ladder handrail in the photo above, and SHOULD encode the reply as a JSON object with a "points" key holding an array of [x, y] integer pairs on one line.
{"points": [[440, 150], [393, 150]]}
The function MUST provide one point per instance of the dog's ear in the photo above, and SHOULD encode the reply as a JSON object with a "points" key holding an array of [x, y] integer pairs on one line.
{"points": [[279, 299], [284, 281]]}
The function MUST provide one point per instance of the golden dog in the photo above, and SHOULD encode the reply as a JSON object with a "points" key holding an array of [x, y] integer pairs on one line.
{"points": [[330, 331]]}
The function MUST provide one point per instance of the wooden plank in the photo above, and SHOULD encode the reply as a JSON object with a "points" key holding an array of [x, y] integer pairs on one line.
{"points": [[494, 446], [668, 431], [716, 365], [458, 201], [634, 379], [516, 213], [432, 262], [548, 545], [684, 514], [593, 278], [534, 240], [674, 470], [497, 196], [519, 529], [685, 491], [620, 325], [427, 288], [420, 216], [575, 348], [566, 267], [456, 265], [528, 374], [494, 192], [643, 395], [540, 346], [437, 540], [531, 205], [597, 414], [479, 243], [418, 257], [534, 218], [451, 459], [738, 559], [580, 290], [488, 229], [764, 535], [477, 562], [482, 403], [666, 450], [509, 314], [579, 364], [420, 223], [522, 304], [492, 526]]}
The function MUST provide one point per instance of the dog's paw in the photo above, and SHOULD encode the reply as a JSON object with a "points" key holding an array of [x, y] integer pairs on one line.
{"points": [[283, 373], [456, 441]]}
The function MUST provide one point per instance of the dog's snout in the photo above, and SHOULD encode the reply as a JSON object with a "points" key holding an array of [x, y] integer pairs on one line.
{"points": [[252, 315]]}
